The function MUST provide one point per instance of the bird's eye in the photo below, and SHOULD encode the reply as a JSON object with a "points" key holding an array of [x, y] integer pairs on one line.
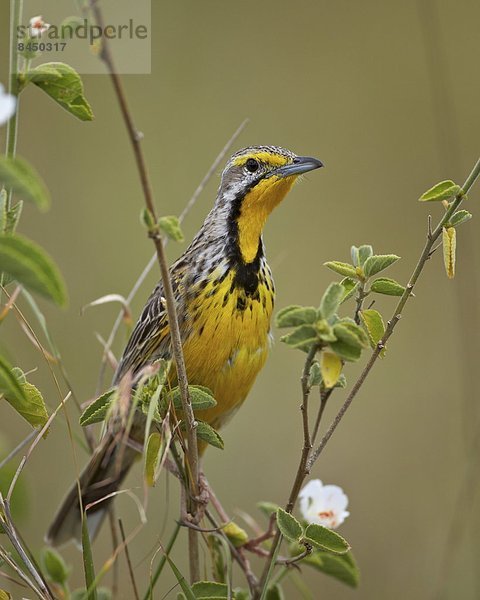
{"points": [[252, 165]]}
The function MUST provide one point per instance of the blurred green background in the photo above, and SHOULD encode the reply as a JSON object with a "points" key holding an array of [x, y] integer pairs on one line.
{"points": [[387, 95]]}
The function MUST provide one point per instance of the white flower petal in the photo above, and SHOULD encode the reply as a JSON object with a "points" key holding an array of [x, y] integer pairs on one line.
{"points": [[7, 105], [323, 504]]}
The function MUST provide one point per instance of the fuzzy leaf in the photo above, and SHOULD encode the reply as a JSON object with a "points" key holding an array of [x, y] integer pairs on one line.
{"points": [[268, 508], [54, 565], [200, 397], [186, 589], [354, 329], [315, 375], [364, 252], [235, 534], [9, 384], [342, 382], [348, 345], [31, 266], [154, 444], [18, 175], [377, 263], [460, 217], [338, 566], [170, 226], [13, 216], [209, 589], [302, 337], [449, 238], [98, 409], [354, 255], [350, 286], [64, 85], [331, 367], [390, 287], [289, 526], [441, 191], [292, 316], [341, 268], [33, 409], [374, 326], [331, 300], [326, 539], [208, 434]]}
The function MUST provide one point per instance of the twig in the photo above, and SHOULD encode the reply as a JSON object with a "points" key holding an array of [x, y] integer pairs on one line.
{"points": [[302, 471], [16, 8], [149, 266], [114, 536], [12, 564], [398, 309], [324, 396], [129, 564], [176, 342], [475, 173], [17, 449]]}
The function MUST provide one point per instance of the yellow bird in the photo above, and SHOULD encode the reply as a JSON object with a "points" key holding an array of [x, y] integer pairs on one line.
{"points": [[224, 294]]}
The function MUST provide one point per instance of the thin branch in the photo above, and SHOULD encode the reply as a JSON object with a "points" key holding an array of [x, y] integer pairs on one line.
{"points": [[129, 563], [149, 266], [175, 337], [431, 239], [425, 255]]}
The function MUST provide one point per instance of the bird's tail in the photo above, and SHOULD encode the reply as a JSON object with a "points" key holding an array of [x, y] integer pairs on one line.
{"points": [[102, 476]]}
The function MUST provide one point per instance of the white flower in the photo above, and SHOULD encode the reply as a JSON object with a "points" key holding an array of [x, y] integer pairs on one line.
{"points": [[323, 504], [7, 105], [38, 26]]}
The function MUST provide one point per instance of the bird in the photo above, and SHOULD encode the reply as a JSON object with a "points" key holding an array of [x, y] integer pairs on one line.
{"points": [[224, 294]]}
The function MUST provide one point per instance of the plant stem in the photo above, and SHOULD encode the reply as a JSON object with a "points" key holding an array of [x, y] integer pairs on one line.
{"points": [[432, 237], [16, 7], [425, 255], [176, 342], [302, 470]]}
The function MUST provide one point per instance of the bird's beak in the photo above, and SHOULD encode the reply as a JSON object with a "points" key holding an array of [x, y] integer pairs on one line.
{"points": [[300, 164]]}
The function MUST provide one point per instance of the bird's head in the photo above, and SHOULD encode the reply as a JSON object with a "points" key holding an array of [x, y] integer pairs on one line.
{"points": [[254, 181]]}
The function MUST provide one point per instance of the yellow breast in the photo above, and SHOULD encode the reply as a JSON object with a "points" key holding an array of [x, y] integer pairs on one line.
{"points": [[229, 341]]}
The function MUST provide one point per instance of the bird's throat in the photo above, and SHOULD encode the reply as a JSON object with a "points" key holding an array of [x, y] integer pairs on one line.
{"points": [[256, 206]]}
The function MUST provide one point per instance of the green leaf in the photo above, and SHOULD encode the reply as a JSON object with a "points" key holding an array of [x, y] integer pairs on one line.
{"points": [[350, 286], [208, 434], [268, 508], [241, 594], [354, 255], [315, 375], [31, 266], [170, 226], [274, 593], [348, 345], [331, 300], [325, 331], [364, 252], [186, 589], [88, 564], [326, 539], [390, 287], [354, 329], [342, 382], [3, 211], [449, 238], [13, 216], [154, 444], [341, 268], [460, 217], [302, 337], [380, 262], [9, 384], [292, 316], [441, 191], [209, 589], [374, 326], [200, 397], [339, 566], [33, 409], [54, 565], [235, 534], [98, 409], [64, 85], [331, 367], [288, 525], [19, 176]]}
